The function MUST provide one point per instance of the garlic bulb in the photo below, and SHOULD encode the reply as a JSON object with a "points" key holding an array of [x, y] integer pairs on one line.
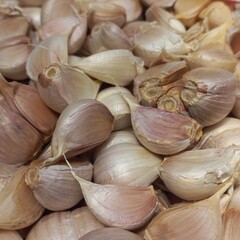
{"points": [[110, 233], [59, 85], [126, 164], [65, 225], [10, 235], [198, 174], [209, 94], [19, 208]]}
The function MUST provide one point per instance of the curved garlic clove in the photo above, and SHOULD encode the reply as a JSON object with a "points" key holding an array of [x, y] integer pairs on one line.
{"points": [[71, 137], [127, 165], [19, 208], [52, 50], [33, 14], [65, 225], [10, 235], [112, 98], [116, 67], [54, 186], [209, 94], [60, 85], [110, 233], [198, 174], [125, 207]]}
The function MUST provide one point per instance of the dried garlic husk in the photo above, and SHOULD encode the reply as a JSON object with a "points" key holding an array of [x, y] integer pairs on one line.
{"points": [[127, 165], [116, 67], [82, 126], [60, 85], [10, 235], [65, 225], [199, 220], [110, 233], [198, 174], [54, 186], [19, 208], [209, 94], [111, 97], [52, 50]]}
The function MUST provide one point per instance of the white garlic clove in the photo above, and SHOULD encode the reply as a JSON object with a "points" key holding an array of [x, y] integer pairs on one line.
{"points": [[10, 235]]}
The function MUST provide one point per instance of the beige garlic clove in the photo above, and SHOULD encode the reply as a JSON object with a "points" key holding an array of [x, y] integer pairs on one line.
{"points": [[209, 94], [54, 186], [82, 126], [116, 67], [52, 50], [60, 85], [65, 225], [19, 208], [112, 98], [33, 15], [110, 233], [127, 165], [198, 174], [6, 172], [10, 235]]}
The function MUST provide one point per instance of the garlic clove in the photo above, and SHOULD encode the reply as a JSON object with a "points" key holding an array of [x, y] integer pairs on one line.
{"points": [[161, 3], [116, 67], [54, 186], [10, 235], [19, 208], [110, 233], [71, 137], [52, 50], [33, 15], [127, 165], [70, 225], [204, 172], [60, 85], [6, 172]]}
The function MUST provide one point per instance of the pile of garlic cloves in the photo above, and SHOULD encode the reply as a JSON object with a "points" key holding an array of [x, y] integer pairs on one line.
{"points": [[119, 119]]}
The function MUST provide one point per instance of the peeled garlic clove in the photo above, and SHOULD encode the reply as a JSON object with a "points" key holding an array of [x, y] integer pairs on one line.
{"points": [[125, 207], [65, 225], [117, 67], [209, 94], [52, 50], [54, 186], [10, 235], [198, 174], [110, 233], [126, 164], [19, 208], [82, 126], [60, 85]]}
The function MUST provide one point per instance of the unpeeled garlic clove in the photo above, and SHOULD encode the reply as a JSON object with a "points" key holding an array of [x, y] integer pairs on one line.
{"points": [[198, 174], [54, 186], [209, 94], [10, 235], [127, 165], [60, 85], [19, 208], [65, 225], [110, 233]]}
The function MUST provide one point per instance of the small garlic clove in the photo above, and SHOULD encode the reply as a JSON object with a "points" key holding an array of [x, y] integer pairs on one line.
{"points": [[116, 67], [10, 235], [127, 165], [70, 225], [209, 94], [19, 208], [110, 233], [52, 50], [60, 85]]}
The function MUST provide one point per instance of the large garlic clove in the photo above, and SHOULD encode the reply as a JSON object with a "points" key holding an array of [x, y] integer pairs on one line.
{"points": [[54, 186], [65, 225], [209, 94], [82, 126], [119, 206], [117, 67], [198, 174], [52, 50], [19, 208], [10, 235], [60, 85], [110, 233]]}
